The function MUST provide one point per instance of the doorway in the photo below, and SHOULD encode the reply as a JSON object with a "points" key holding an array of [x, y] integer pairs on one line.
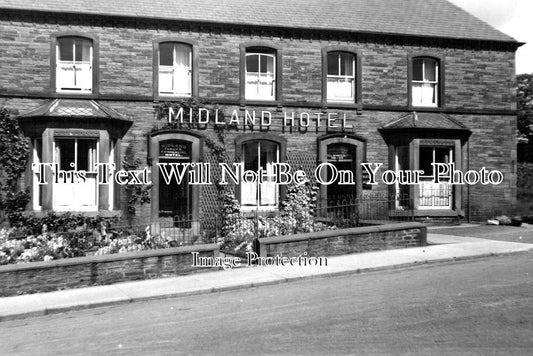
{"points": [[175, 198]]}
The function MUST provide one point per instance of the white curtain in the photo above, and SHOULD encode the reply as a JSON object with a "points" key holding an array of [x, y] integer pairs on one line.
{"points": [[249, 193], [424, 93], [340, 89], [176, 79], [74, 64], [260, 77]]}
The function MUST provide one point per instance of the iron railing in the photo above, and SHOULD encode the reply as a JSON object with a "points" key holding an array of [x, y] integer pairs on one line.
{"points": [[340, 211]]}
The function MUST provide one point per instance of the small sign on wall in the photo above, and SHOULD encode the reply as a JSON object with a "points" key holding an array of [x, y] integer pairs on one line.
{"points": [[175, 149]]}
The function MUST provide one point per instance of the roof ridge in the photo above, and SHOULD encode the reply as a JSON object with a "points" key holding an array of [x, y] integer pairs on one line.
{"points": [[442, 19]]}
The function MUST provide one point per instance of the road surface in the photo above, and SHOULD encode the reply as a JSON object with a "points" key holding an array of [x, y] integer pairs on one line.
{"points": [[478, 307]]}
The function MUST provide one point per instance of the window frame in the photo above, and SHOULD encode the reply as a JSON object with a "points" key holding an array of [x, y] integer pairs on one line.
{"points": [[413, 146], [263, 146], [426, 180], [268, 49], [440, 92], [281, 143], [194, 67], [37, 158], [357, 87], [95, 64], [90, 174]]}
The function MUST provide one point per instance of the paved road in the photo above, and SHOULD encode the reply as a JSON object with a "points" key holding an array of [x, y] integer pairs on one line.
{"points": [[481, 307], [522, 234]]}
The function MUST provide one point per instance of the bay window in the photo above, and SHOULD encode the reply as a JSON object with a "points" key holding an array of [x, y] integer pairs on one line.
{"points": [[71, 192], [434, 195]]}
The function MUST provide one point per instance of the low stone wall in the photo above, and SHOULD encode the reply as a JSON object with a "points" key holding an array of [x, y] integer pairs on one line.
{"points": [[96, 270], [345, 241]]}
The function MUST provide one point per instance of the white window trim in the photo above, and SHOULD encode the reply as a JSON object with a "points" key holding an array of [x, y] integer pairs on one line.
{"points": [[57, 207], [36, 188], [73, 64], [258, 206], [111, 190], [426, 181], [175, 69], [424, 81], [397, 184], [330, 96]]}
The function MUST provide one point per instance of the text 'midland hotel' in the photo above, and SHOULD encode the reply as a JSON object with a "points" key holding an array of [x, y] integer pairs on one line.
{"points": [[405, 83]]}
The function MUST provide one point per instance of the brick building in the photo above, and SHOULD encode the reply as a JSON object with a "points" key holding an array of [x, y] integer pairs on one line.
{"points": [[404, 83]]}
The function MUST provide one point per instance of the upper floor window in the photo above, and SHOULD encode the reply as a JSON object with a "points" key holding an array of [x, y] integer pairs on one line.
{"points": [[341, 76], [175, 69], [74, 64], [260, 69], [425, 82]]}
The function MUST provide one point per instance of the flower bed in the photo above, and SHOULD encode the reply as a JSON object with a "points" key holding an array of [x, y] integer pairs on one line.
{"points": [[36, 277], [49, 246]]}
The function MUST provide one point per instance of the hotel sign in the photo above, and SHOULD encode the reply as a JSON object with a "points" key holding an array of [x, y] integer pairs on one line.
{"points": [[202, 117]]}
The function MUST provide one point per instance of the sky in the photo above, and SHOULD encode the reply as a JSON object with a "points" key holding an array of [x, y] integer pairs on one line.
{"points": [[513, 17]]}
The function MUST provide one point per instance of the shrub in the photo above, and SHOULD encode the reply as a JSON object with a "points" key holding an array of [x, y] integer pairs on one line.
{"points": [[525, 191], [14, 205], [296, 215]]}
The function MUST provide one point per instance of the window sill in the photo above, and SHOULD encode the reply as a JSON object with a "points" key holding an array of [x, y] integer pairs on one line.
{"points": [[343, 105], [424, 106], [74, 95], [260, 102], [93, 213], [167, 97], [264, 213]]}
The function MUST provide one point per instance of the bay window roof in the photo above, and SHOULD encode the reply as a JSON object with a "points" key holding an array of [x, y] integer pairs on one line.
{"points": [[423, 125], [424, 120], [72, 112]]}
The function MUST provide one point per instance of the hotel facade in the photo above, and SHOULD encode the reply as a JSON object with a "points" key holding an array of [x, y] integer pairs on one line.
{"points": [[403, 84]]}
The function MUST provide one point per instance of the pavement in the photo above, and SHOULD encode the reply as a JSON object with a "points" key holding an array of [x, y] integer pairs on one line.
{"points": [[441, 248]]}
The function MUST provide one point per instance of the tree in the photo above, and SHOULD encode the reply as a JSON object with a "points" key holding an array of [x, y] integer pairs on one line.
{"points": [[13, 154], [13, 150], [525, 104]]}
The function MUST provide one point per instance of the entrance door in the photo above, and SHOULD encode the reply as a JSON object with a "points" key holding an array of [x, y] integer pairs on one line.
{"points": [[175, 199], [342, 156]]}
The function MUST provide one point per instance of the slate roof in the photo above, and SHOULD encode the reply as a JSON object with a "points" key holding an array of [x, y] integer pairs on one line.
{"points": [[426, 120], [74, 108], [433, 18]]}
